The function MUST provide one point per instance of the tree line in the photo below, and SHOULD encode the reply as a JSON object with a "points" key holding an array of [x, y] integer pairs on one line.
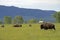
{"points": [[16, 20], [56, 15], [20, 20]]}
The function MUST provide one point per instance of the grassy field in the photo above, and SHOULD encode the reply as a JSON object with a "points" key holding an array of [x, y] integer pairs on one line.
{"points": [[29, 33]]}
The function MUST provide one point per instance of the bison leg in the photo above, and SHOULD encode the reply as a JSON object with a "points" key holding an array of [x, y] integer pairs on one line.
{"points": [[41, 27]]}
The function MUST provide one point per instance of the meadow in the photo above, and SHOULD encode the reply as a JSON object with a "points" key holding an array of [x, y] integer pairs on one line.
{"points": [[29, 33]]}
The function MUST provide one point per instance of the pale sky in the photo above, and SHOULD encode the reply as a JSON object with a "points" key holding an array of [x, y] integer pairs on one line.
{"points": [[33, 4]]}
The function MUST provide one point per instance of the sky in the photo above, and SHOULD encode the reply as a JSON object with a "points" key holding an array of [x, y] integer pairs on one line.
{"points": [[33, 4]]}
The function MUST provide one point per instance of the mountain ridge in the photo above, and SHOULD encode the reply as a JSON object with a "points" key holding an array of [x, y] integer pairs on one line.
{"points": [[26, 13]]}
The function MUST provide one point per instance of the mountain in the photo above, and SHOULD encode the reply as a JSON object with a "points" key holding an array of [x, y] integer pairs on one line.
{"points": [[26, 13]]}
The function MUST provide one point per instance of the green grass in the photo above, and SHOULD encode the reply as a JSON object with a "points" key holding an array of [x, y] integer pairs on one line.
{"points": [[29, 33]]}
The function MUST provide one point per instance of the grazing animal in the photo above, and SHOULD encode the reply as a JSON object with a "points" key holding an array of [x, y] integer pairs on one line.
{"points": [[2, 25], [20, 25], [16, 25], [47, 26], [30, 25]]}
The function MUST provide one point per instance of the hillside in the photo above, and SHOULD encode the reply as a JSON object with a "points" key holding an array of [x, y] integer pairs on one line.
{"points": [[26, 13]]}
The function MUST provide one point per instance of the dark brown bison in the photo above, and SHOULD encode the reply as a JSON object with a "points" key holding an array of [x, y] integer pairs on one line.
{"points": [[20, 25], [47, 26], [17, 25], [2, 25], [30, 25]]}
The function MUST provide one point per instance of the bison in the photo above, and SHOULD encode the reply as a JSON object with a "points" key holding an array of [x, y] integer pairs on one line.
{"points": [[47, 26], [2, 25], [17, 25], [30, 25], [20, 25]]}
